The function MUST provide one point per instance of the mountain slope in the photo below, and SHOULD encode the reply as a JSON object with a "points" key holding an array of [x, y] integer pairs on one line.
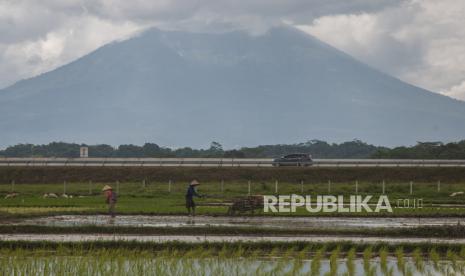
{"points": [[178, 88]]}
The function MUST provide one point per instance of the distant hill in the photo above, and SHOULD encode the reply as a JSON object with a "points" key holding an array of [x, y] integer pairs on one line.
{"points": [[179, 88]]}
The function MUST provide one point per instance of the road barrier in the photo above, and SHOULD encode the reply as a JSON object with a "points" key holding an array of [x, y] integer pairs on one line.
{"points": [[220, 162]]}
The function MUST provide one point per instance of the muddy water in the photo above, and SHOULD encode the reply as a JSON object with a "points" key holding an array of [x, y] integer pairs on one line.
{"points": [[268, 222]]}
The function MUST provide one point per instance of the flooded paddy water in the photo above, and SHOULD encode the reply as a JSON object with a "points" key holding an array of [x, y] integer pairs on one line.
{"points": [[226, 221], [141, 264], [387, 258], [243, 221]]}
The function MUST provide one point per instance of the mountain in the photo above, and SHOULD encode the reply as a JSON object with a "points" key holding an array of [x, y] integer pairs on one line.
{"points": [[177, 88]]}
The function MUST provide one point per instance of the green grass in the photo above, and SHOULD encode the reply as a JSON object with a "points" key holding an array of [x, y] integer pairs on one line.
{"points": [[155, 198]]}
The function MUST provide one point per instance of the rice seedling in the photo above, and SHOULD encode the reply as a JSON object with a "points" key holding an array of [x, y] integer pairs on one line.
{"points": [[383, 254], [274, 251], [221, 259], [367, 256], [350, 262], [299, 261], [400, 259], [462, 253], [304, 252], [408, 272], [288, 253], [316, 261], [418, 260], [333, 259], [435, 259], [454, 260]]}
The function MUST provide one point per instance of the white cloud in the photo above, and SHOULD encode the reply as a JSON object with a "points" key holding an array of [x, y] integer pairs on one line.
{"points": [[364, 31], [421, 42], [74, 38], [38, 36], [457, 91]]}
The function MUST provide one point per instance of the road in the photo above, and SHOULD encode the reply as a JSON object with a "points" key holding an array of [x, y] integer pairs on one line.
{"points": [[219, 162]]}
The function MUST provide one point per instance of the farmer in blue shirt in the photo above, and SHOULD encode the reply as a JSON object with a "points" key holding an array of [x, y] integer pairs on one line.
{"points": [[190, 204]]}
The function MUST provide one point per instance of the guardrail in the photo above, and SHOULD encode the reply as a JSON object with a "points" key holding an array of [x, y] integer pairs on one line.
{"points": [[220, 162]]}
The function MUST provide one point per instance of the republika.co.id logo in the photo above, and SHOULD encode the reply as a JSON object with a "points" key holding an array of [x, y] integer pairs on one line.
{"points": [[326, 204]]}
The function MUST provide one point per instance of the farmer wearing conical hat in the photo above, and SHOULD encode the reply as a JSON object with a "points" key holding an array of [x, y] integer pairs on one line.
{"points": [[111, 198], [191, 192]]}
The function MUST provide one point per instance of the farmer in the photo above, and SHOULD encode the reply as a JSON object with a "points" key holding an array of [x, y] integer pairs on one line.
{"points": [[111, 198], [190, 204]]}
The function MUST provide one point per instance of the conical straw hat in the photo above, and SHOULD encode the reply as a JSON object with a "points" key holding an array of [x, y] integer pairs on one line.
{"points": [[195, 182], [106, 188]]}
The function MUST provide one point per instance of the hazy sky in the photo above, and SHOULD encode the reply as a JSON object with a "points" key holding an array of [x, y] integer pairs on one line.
{"points": [[419, 41]]}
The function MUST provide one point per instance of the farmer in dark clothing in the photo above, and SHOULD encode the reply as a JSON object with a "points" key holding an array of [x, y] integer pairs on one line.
{"points": [[110, 198], [190, 204]]}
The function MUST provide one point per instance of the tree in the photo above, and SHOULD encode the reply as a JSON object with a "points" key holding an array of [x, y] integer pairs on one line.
{"points": [[216, 147], [130, 151], [151, 150], [234, 154]]}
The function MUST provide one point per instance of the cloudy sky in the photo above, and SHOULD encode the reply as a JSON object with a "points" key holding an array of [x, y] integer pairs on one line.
{"points": [[419, 41]]}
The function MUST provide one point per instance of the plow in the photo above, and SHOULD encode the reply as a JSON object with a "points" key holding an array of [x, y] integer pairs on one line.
{"points": [[245, 204], [238, 205]]}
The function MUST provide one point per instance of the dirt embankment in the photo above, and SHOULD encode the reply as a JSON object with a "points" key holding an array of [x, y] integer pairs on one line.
{"points": [[109, 174]]}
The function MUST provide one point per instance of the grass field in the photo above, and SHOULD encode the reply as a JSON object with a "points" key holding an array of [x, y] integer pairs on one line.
{"points": [[165, 198]]}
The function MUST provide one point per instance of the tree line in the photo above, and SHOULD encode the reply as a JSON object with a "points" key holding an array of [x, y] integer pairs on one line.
{"points": [[424, 150], [317, 148]]}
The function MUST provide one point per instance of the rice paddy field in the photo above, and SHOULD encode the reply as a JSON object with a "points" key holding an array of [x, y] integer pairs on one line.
{"points": [[54, 222], [229, 259]]}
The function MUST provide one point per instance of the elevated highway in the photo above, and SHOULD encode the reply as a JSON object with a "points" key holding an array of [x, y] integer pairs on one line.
{"points": [[219, 162]]}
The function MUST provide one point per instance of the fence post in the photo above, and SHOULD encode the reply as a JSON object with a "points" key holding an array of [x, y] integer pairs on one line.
{"points": [[143, 183], [64, 187], [356, 187], [249, 186], [169, 186], [222, 186], [90, 187], [301, 186], [329, 186], [439, 185], [117, 187], [411, 187], [384, 189], [12, 186], [276, 187]]}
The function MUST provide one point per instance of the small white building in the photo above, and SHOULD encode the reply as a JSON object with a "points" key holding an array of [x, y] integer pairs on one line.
{"points": [[84, 152]]}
